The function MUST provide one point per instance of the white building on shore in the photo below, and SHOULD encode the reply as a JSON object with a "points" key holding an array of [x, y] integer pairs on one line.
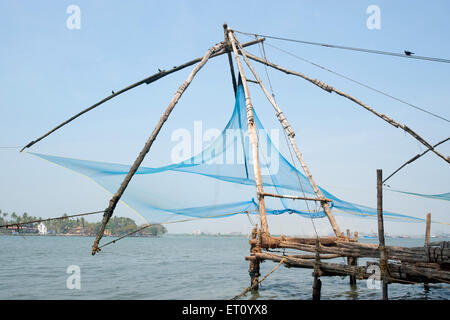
{"points": [[42, 229]]}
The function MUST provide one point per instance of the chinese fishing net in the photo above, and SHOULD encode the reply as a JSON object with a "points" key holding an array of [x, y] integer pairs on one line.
{"points": [[217, 182]]}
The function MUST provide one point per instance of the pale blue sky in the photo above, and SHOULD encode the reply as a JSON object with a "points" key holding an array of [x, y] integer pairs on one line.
{"points": [[49, 73]]}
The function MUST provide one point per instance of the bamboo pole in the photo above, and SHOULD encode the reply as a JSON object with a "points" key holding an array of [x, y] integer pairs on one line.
{"points": [[290, 133], [330, 89], [382, 246], [115, 199], [253, 137], [147, 80]]}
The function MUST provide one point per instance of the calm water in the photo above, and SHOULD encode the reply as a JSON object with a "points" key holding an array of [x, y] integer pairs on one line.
{"points": [[171, 267]]}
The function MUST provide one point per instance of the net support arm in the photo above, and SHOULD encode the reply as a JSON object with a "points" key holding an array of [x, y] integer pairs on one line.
{"points": [[148, 80], [290, 133], [252, 135], [115, 199], [330, 89], [414, 159]]}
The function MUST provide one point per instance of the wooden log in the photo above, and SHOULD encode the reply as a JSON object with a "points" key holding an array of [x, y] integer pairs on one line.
{"points": [[330, 89], [147, 80], [439, 252], [290, 133], [116, 197], [252, 135], [400, 273]]}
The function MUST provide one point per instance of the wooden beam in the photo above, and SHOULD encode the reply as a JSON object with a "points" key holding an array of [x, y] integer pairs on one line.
{"points": [[252, 135], [115, 199], [330, 89], [290, 133], [147, 80], [265, 194]]}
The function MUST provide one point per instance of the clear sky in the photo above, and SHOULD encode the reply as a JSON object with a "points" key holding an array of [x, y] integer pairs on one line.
{"points": [[49, 72]]}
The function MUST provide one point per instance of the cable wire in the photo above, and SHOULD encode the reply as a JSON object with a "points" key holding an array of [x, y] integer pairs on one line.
{"points": [[360, 83], [401, 55]]}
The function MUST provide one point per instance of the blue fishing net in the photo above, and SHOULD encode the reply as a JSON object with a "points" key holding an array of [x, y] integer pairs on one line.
{"points": [[442, 196], [218, 181]]}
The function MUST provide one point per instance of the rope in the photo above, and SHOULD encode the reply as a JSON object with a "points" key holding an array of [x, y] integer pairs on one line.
{"points": [[360, 83], [49, 219], [257, 283]]}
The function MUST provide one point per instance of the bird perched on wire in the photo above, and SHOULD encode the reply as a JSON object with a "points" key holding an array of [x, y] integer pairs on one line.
{"points": [[408, 53], [159, 70], [112, 91]]}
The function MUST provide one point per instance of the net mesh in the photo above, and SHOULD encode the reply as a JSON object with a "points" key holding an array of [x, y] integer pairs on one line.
{"points": [[217, 181]]}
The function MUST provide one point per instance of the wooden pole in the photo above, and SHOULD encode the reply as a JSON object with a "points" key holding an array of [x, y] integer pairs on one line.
{"points": [[330, 89], [427, 242], [115, 199], [253, 268], [290, 133], [147, 80], [428, 228], [253, 137], [265, 194], [382, 245], [317, 284], [230, 59]]}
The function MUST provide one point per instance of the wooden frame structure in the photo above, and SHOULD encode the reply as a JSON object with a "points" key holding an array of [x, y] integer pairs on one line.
{"points": [[427, 264]]}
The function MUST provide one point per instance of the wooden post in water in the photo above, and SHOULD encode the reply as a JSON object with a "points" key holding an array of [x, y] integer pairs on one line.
{"points": [[253, 268], [382, 246], [428, 228], [427, 241], [317, 284]]}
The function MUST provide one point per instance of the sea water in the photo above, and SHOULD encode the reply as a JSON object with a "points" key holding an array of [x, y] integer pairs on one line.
{"points": [[168, 267]]}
